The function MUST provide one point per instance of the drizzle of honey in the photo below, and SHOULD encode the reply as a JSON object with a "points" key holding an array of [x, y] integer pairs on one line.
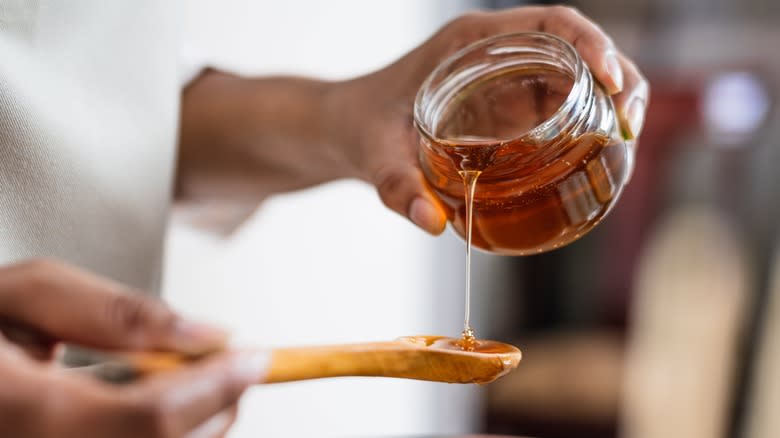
{"points": [[468, 338]]}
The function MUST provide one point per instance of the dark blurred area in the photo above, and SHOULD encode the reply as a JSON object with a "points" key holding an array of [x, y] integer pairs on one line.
{"points": [[663, 321]]}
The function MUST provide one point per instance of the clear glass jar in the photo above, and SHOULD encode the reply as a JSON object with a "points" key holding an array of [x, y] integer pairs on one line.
{"points": [[522, 112]]}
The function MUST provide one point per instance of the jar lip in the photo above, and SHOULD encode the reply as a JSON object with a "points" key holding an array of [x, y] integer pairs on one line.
{"points": [[578, 72]]}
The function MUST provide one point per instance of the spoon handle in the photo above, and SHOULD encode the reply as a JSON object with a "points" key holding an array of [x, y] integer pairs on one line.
{"points": [[379, 359], [409, 358], [391, 359]]}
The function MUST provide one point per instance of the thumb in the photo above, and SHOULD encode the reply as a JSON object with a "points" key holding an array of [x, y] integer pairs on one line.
{"points": [[402, 188], [72, 305]]}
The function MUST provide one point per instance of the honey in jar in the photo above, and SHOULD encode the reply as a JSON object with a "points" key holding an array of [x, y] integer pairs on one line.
{"points": [[517, 125]]}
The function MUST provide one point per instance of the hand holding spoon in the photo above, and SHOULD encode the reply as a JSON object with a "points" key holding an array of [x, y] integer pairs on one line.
{"points": [[432, 358]]}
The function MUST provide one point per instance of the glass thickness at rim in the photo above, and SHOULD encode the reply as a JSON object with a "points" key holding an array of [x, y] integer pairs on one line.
{"points": [[539, 43]]}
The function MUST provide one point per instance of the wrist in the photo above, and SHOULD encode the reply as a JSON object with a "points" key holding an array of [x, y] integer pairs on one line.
{"points": [[346, 117]]}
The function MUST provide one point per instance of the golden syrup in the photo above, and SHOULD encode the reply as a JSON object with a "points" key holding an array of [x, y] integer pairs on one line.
{"points": [[469, 185], [534, 194]]}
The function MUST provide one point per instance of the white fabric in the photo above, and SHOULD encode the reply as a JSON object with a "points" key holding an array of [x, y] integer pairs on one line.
{"points": [[89, 95]]}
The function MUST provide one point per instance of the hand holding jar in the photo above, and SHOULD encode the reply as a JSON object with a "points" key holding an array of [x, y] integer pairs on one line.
{"points": [[384, 147]]}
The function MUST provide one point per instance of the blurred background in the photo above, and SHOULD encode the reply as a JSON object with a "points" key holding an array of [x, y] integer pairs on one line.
{"points": [[661, 322]]}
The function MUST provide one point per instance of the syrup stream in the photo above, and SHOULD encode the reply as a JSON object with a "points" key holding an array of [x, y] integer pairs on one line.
{"points": [[468, 338]]}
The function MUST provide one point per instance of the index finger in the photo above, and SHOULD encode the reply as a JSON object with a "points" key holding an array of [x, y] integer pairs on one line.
{"points": [[69, 304]]}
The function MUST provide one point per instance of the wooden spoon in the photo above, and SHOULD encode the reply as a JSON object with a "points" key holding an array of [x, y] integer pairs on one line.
{"points": [[432, 358]]}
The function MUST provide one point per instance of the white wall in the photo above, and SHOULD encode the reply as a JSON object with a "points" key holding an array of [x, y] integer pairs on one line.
{"points": [[329, 264]]}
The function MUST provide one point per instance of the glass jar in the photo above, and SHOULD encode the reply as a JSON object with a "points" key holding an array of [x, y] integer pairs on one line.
{"points": [[522, 114]]}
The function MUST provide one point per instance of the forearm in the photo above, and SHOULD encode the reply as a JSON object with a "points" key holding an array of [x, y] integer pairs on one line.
{"points": [[244, 139]]}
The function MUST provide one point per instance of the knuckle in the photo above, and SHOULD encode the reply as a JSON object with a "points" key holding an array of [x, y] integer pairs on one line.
{"points": [[565, 11], [636, 76], [389, 184], [574, 11], [37, 274], [467, 20], [133, 312], [465, 30], [632, 67], [41, 274], [41, 266]]}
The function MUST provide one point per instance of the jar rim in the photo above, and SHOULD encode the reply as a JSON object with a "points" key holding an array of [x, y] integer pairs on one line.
{"points": [[578, 70]]}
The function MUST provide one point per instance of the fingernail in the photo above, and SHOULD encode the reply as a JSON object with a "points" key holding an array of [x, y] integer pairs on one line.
{"points": [[635, 117], [199, 337], [615, 72], [251, 367], [425, 215]]}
